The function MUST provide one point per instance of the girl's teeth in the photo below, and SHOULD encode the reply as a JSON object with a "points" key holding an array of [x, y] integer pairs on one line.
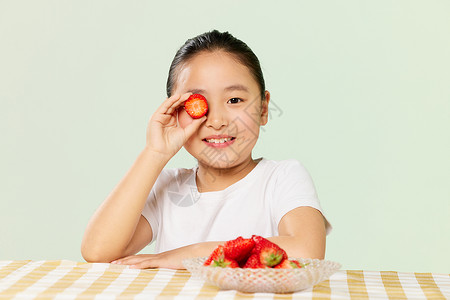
{"points": [[218, 141]]}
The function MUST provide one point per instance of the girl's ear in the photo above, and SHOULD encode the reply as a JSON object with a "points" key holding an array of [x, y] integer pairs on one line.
{"points": [[265, 109]]}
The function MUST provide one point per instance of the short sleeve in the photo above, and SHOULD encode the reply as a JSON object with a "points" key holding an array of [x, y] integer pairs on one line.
{"points": [[294, 188], [151, 212]]}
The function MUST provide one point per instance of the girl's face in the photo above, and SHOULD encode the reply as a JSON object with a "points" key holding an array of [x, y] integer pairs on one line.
{"points": [[235, 110]]}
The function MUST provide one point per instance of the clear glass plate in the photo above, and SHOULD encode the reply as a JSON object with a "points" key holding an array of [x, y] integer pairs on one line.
{"points": [[264, 280]]}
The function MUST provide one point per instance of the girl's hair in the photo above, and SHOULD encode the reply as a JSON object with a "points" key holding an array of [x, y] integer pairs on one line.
{"points": [[215, 41]]}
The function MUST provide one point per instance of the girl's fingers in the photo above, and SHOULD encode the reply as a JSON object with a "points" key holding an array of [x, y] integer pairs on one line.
{"points": [[146, 264], [130, 260], [193, 127], [172, 103], [178, 103], [137, 262], [167, 103], [144, 261]]}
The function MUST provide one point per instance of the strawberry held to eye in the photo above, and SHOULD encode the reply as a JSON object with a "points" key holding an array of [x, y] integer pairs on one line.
{"points": [[196, 106]]}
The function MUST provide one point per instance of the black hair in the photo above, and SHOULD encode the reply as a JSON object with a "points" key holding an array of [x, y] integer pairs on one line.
{"points": [[216, 41]]}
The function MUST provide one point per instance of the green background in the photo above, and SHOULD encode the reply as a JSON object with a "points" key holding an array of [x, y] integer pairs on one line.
{"points": [[360, 95]]}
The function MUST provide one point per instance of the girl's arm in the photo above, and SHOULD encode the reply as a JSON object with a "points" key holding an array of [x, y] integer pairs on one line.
{"points": [[117, 228], [302, 235], [112, 227], [172, 259]]}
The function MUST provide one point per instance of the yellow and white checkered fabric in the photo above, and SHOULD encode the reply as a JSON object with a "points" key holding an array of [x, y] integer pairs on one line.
{"points": [[74, 280]]}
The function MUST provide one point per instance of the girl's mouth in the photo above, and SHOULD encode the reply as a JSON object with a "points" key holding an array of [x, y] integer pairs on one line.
{"points": [[219, 142]]}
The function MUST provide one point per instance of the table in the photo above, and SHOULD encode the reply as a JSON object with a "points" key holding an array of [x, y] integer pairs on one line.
{"points": [[62, 279]]}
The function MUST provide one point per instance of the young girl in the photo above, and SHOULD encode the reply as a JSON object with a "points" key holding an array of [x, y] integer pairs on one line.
{"points": [[188, 212]]}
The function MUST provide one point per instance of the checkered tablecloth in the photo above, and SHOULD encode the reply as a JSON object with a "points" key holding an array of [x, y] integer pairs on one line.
{"points": [[63, 279]]}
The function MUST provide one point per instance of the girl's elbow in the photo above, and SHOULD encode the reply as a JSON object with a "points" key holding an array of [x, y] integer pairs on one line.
{"points": [[318, 256], [94, 255], [314, 251]]}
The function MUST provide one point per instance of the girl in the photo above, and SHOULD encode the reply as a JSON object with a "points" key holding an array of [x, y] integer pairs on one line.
{"points": [[229, 193]]}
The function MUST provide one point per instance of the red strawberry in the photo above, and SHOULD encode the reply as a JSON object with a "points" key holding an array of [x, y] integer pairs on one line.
{"points": [[196, 106], [215, 255], [225, 263], [270, 254], [288, 264], [239, 249], [297, 263], [218, 259], [254, 262]]}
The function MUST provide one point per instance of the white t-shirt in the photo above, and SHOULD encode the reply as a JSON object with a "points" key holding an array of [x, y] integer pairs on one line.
{"points": [[179, 215]]}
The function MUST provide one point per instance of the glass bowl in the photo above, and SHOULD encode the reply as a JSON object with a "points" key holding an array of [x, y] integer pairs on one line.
{"points": [[267, 280]]}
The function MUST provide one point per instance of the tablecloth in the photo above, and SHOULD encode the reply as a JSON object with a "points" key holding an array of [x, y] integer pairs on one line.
{"points": [[62, 279]]}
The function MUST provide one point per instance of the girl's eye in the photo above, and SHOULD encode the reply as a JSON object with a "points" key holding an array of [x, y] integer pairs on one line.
{"points": [[235, 100]]}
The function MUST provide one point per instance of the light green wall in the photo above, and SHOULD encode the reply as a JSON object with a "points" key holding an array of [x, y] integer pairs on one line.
{"points": [[363, 88]]}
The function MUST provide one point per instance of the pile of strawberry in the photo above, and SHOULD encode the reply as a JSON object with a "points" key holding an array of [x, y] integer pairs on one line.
{"points": [[255, 252]]}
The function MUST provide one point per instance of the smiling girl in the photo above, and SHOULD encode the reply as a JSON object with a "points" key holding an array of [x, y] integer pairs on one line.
{"points": [[188, 212]]}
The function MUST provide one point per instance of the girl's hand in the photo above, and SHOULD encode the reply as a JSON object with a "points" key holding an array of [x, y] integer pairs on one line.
{"points": [[169, 260], [164, 135], [172, 259]]}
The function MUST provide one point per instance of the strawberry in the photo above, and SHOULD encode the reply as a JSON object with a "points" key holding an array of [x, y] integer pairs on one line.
{"points": [[215, 255], [239, 249], [196, 106], [270, 254], [225, 263], [253, 262], [288, 264], [218, 259]]}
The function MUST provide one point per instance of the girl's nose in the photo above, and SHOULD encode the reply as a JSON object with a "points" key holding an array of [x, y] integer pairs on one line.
{"points": [[216, 117]]}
